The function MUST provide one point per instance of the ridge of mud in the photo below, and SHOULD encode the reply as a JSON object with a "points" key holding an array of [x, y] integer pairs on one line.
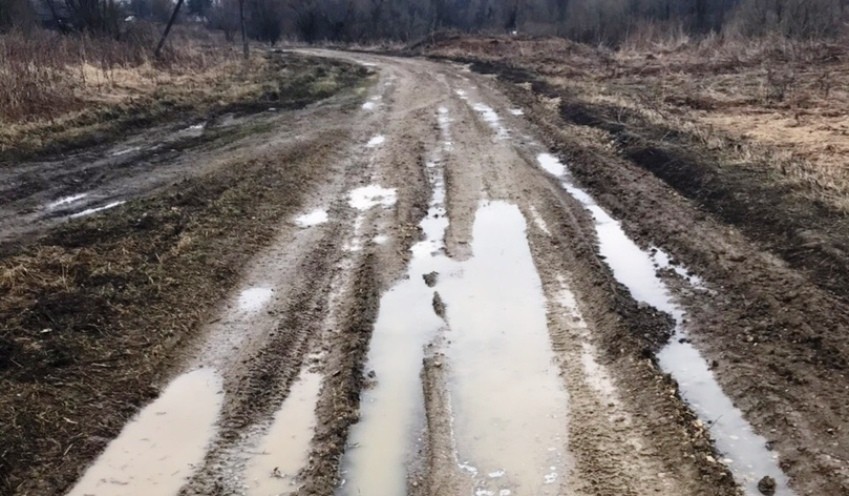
{"points": [[338, 406]]}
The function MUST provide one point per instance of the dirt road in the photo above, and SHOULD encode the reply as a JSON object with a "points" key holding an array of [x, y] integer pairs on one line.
{"points": [[451, 312]]}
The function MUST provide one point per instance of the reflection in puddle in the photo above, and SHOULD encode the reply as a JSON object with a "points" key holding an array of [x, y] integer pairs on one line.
{"points": [[97, 209], [662, 260], [636, 269], [371, 196], [253, 299], [159, 449], [314, 218], [490, 117], [510, 406], [126, 151], [66, 200], [284, 450]]}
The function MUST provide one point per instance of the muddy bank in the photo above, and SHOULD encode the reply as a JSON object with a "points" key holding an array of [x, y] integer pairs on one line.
{"points": [[750, 235]]}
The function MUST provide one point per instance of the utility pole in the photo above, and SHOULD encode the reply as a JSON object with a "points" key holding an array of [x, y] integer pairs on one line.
{"points": [[168, 28]]}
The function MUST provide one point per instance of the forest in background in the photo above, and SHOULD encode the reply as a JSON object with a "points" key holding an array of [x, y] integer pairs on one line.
{"points": [[609, 22]]}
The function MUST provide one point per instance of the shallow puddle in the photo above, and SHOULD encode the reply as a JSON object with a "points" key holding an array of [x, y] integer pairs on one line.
{"points": [[746, 452], [509, 404], [253, 299], [66, 201], [96, 209], [376, 141], [160, 448], [284, 450], [391, 412], [492, 119], [310, 219], [370, 196]]}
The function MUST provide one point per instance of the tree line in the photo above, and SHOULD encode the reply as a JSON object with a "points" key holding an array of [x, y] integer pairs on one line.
{"points": [[354, 21]]}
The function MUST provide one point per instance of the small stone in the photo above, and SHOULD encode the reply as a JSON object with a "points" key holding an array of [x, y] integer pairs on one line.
{"points": [[430, 279], [767, 486]]}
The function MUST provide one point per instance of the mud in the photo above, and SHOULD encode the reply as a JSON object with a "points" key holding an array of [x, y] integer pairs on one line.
{"points": [[433, 311]]}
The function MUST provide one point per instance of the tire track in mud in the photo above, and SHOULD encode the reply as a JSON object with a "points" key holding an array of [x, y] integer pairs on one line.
{"points": [[533, 347]]}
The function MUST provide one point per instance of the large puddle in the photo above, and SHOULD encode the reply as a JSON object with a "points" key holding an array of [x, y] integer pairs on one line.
{"points": [[746, 452], [159, 449], [381, 443], [284, 450], [509, 404]]}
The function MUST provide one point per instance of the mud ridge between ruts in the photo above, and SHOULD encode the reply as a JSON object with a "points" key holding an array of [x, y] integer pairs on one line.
{"points": [[772, 327], [338, 406]]}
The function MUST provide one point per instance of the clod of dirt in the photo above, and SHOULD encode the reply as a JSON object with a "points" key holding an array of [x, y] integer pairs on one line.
{"points": [[438, 305], [767, 486], [430, 279]]}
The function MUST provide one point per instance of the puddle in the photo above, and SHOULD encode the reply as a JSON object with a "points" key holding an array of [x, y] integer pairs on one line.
{"points": [[376, 141], [97, 209], [284, 450], [125, 151], [314, 218], [253, 299], [539, 221], [509, 404], [370, 196], [67, 200], [392, 412], [160, 448], [746, 452], [491, 117], [369, 106], [193, 131]]}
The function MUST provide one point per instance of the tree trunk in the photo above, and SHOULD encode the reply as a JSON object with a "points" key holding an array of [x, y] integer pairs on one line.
{"points": [[245, 51], [168, 28]]}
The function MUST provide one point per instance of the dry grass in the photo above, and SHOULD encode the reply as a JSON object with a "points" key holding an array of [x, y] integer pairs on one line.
{"points": [[62, 88], [770, 102]]}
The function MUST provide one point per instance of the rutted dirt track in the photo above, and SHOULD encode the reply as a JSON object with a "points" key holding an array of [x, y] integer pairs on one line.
{"points": [[450, 312]]}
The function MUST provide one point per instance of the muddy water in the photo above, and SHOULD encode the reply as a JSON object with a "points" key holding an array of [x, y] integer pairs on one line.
{"points": [[314, 218], [253, 299], [745, 452], [509, 405], [284, 450], [96, 209], [66, 201], [381, 443], [160, 448]]}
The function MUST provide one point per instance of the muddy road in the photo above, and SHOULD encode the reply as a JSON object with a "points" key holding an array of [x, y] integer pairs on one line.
{"points": [[450, 311]]}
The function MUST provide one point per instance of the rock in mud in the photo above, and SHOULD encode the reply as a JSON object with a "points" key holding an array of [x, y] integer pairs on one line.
{"points": [[430, 279], [767, 486]]}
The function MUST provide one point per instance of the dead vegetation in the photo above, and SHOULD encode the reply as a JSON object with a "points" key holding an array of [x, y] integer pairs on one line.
{"points": [[58, 91]]}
